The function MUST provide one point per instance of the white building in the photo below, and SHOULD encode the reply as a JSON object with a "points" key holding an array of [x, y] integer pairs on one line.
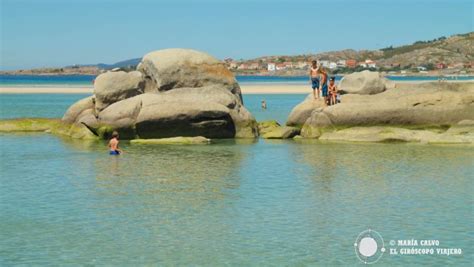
{"points": [[370, 63], [341, 63], [332, 65], [280, 66], [324, 63], [271, 67]]}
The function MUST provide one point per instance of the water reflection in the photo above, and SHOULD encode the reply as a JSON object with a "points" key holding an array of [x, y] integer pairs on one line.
{"points": [[269, 202]]}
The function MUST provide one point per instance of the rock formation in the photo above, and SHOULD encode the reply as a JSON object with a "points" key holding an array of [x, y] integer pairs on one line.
{"points": [[364, 83], [438, 107], [174, 92]]}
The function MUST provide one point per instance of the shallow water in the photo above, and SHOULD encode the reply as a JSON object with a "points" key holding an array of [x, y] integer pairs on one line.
{"points": [[54, 105], [67, 202]]}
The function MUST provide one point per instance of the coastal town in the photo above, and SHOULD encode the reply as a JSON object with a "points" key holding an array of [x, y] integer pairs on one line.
{"points": [[289, 68], [441, 56]]}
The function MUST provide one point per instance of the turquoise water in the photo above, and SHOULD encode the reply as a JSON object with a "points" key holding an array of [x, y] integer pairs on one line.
{"points": [[54, 105], [237, 203], [86, 80]]}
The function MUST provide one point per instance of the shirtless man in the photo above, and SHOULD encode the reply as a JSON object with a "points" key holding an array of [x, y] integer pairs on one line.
{"points": [[324, 85], [314, 78], [113, 144]]}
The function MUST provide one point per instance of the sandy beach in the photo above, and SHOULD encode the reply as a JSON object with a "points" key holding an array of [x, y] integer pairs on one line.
{"points": [[264, 88]]}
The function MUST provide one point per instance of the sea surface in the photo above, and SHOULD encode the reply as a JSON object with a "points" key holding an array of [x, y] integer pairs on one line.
{"points": [[87, 80], [232, 203]]}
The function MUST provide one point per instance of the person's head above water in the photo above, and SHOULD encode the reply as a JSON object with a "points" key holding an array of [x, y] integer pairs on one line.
{"points": [[115, 134], [332, 79]]}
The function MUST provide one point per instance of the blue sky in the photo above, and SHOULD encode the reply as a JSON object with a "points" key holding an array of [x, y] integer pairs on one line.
{"points": [[37, 33]]}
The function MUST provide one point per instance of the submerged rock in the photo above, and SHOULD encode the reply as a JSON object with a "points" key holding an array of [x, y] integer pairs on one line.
{"points": [[284, 132], [54, 126], [180, 140], [273, 130], [175, 92], [267, 126], [397, 134], [28, 125]]}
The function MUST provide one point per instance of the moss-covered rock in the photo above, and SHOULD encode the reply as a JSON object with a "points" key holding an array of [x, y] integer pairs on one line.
{"points": [[281, 133], [267, 126], [53, 126], [180, 140], [458, 134], [28, 124], [76, 131]]}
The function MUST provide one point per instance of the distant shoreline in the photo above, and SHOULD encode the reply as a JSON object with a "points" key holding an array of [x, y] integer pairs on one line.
{"points": [[409, 74]]}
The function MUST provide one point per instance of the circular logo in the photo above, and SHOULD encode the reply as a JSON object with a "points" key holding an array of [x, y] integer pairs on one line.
{"points": [[369, 246]]}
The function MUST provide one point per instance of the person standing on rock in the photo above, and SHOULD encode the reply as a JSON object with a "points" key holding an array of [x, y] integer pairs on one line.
{"points": [[323, 86], [314, 78]]}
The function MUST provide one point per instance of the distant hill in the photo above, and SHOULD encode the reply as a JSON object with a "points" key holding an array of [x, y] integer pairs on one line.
{"points": [[455, 49], [452, 50], [129, 63], [121, 64]]}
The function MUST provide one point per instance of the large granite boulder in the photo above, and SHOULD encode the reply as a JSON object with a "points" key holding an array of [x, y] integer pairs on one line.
{"points": [[176, 68], [75, 110], [112, 87], [364, 83], [303, 110], [422, 105], [361, 83], [175, 92]]}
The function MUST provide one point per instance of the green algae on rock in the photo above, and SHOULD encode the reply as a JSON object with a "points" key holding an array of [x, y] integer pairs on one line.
{"points": [[28, 124], [53, 126], [180, 140]]}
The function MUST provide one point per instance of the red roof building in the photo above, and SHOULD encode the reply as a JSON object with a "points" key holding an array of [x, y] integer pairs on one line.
{"points": [[351, 63]]}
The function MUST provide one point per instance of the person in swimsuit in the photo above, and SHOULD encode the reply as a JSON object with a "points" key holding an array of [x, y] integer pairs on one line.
{"points": [[323, 86], [314, 78], [332, 91], [113, 144]]}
